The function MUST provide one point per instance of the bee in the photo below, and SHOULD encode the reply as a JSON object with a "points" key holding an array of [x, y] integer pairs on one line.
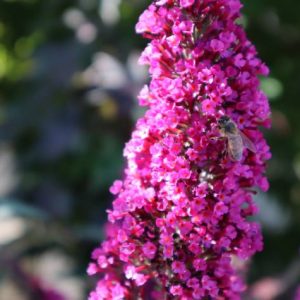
{"points": [[236, 140]]}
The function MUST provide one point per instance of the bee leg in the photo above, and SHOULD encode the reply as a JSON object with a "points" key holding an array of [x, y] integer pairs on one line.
{"points": [[224, 153], [216, 138]]}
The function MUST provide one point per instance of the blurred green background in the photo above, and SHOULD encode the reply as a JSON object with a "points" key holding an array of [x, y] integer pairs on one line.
{"points": [[68, 83]]}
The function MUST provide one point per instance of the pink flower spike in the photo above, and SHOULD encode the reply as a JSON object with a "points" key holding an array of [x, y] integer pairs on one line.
{"points": [[185, 205]]}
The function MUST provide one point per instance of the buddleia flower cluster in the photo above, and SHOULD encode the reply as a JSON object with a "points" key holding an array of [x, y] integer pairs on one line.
{"points": [[181, 215]]}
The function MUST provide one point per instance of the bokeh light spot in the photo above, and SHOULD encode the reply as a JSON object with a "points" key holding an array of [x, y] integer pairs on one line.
{"points": [[272, 87]]}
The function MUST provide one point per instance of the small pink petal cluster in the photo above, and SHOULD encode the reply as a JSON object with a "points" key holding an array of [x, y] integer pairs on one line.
{"points": [[181, 213]]}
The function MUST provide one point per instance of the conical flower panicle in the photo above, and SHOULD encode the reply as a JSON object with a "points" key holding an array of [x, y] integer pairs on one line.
{"points": [[181, 212]]}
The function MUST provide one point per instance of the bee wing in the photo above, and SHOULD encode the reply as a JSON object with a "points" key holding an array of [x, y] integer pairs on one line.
{"points": [[234, 157], [248, 143]]}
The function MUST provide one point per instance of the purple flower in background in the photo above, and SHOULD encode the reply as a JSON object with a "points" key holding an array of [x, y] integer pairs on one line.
{"points": [[181, 212], [297, 297]]}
